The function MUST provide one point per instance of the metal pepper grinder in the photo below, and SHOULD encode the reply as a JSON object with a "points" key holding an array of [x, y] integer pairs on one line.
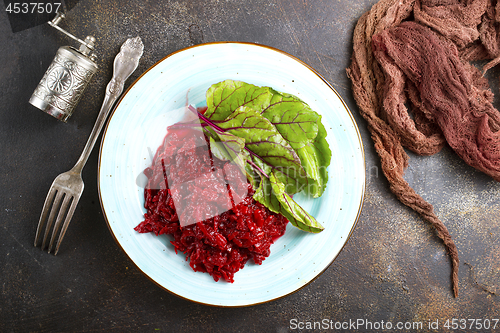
{"points": [[66, 78]]}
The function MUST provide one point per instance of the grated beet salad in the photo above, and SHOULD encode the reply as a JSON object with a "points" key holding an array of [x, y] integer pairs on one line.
{"points": [[219, 245]]}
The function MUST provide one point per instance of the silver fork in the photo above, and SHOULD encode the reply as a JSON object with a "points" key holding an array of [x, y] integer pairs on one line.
{"points": [[68, 186]]}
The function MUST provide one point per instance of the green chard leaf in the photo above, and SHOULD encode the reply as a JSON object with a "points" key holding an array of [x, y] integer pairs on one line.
{"points": [[315, 158], [225, 97], [252, 175], [264, 194], [293, 118], [229, 147], [276, 138], [271, 193], [266, 144], [297, 215]]}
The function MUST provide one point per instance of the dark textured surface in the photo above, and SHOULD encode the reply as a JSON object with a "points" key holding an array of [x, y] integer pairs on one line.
{"points": [[392, 269]]}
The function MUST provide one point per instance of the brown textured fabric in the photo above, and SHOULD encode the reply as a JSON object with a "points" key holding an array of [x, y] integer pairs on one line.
{"points": [[456, 20], [468, 120], [397, 62], [367, 83]]}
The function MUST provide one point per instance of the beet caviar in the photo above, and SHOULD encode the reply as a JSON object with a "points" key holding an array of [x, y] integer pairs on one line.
{"points": [[228, 229]]}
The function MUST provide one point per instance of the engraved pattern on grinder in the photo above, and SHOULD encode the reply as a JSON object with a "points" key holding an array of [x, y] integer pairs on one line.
{"points": [[64, 82], [59, 80]]}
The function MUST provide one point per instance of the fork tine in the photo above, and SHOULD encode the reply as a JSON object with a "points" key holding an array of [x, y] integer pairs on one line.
{"points": [[60, 216], [71, 211], [55, 208], [45, 211]]}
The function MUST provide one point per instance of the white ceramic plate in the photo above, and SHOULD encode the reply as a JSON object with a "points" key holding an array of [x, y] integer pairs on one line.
{"points": [[138, 125]]}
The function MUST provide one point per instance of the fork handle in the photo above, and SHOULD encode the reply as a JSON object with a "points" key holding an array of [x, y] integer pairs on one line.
{"points": [[109, 100], [124, 65]]}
